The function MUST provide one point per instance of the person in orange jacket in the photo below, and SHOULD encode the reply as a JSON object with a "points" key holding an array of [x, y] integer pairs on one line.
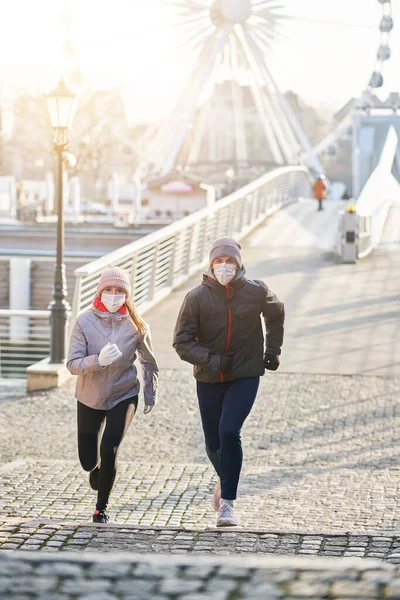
{"points": [[319, 189]]}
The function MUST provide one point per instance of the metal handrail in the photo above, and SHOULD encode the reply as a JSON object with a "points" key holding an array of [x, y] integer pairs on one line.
{"points": [[162, 260], [10, 312], [24, 340]]}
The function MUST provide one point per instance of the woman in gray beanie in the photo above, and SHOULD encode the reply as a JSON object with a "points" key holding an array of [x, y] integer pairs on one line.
{"points": [[219, 331], [105, 341]]}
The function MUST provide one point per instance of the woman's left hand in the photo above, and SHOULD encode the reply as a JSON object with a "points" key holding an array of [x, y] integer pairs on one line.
{"points": [[147, 409]]}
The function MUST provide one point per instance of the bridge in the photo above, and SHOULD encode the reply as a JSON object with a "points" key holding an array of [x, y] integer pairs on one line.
{"points": [[320, 475]]}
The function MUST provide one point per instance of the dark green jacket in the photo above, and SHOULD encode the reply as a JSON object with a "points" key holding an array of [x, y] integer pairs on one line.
{"points": [[215, 320]]}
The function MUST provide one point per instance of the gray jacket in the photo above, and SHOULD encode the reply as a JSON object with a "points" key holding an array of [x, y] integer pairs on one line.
{"points": [[104, 387], [218, 321]]}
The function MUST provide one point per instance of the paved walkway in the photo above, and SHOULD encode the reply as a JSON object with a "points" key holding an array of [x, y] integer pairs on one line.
{"points": [[321, 471], [55, 535], [320, 454]]}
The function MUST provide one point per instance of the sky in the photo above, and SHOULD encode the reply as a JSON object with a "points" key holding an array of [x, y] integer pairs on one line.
{"points": [[131, 44]]}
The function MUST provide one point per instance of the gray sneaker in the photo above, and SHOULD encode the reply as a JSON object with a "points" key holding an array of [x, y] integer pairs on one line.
{"points": [[225, 516]]}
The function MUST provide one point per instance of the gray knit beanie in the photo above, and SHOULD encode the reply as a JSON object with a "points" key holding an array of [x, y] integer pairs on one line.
{"points": [[226, 246]]}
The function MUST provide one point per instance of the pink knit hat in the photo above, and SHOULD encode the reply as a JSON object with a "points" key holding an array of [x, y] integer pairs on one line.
{"points": [[114, 276]]}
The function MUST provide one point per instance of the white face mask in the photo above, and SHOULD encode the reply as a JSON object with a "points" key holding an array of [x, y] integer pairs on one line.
{"points": [[224, 272], [113, 302]]}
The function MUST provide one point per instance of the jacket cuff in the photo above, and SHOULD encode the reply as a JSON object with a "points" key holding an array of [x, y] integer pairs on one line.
{"points": [[91, 363], [276, 351]]}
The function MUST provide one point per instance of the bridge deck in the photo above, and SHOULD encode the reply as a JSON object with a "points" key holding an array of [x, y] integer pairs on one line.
{"points": [[340, 318]]}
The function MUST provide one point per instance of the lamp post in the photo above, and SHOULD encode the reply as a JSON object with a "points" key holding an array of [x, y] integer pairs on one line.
{"points": [[61, 107]]}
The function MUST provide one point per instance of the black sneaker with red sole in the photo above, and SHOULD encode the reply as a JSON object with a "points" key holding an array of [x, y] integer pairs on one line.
{"points": [[99, 516]]}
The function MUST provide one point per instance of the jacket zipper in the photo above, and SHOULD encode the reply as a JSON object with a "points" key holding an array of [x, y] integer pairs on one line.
{"points": [[228, 337]]}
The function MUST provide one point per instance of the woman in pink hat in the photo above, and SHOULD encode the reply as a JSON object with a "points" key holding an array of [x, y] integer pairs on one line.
{"points": [[105, 342]]}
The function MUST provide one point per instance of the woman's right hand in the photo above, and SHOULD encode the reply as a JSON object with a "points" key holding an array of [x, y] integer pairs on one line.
{"points": [[108, 354]]}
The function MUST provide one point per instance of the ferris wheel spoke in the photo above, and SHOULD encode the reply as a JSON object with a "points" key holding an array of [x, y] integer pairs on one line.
{"points": [[269, 3], [238, 112], [199, 133], [266, 43], [293, 131], [196, 38], [272, 126], [182, 23], [290, 119], [173, 136], [188, 4], [269, 10], [273, 30]]}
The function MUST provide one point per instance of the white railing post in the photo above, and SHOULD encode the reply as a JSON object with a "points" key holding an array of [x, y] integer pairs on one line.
{"points": [[171, 266], [187, 258], [152, 287], [76, 300], [133, 273]]}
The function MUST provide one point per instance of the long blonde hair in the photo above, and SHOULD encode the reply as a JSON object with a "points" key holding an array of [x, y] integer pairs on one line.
{"points": [[135, 317]]}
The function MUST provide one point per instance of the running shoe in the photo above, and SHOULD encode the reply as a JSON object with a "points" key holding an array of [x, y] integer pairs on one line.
{"points": [[225, 516], [99, 516]]}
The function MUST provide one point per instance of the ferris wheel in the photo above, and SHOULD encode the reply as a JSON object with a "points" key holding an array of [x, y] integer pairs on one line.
{"points": [[232, 97]]}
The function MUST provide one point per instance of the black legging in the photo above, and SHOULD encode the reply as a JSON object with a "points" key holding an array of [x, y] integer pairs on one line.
{"points": [[93, 447]]}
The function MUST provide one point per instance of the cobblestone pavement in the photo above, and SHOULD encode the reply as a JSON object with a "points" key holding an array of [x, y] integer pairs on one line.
{"points": [[68, 576], [283, 500], [320, 455], [69, 535]]}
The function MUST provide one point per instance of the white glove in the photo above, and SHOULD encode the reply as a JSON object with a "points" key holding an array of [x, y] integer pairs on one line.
{"points": [[147, 409], [108, 354]]}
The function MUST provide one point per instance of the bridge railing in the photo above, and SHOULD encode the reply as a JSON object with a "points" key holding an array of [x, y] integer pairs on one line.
{"points": [[24, 340], [162, 260]]}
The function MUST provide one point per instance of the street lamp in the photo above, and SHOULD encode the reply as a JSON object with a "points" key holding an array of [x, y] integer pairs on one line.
{"points": [[61, 107]]}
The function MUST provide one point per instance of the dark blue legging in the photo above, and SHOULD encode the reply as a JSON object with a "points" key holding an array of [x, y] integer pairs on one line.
{"points": [[224, 408]]}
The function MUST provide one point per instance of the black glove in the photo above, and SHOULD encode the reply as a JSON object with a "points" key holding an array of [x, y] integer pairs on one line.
{"points": [[271, 361], [226, 363]]}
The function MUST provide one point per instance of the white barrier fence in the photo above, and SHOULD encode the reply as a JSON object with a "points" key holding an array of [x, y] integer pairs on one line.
{"points": [[163, 260], [24, 340], [362, 232]]}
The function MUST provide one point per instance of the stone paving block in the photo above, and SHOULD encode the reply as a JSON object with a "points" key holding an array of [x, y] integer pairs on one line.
{"points": [[97, 596], [84, 586], [354, 589], [172, 586], [303, 589], [140, 587]]}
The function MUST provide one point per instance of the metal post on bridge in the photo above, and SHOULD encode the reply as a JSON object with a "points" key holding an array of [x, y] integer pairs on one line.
{"points": [[349, 235]]}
